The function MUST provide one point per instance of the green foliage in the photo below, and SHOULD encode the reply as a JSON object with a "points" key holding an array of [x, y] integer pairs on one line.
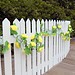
{"points": [[5, 47], [54, 30], [30, 9], [73, 26]]}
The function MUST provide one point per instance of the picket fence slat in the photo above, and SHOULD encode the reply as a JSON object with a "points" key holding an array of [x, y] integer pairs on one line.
{"points": [[42, 21], [46, 47], [67, 23], [7, 55], [36, 63], [23, 59], [54, 42], [57, 38], [68, 49], [28, 32], [66, 28], [62, 54], [34, 50], [17, 52], [61, 43], [50, 46], [38, 54]]}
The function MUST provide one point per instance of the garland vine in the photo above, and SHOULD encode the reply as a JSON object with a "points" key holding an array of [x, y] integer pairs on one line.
{"points": [[35, 39]]}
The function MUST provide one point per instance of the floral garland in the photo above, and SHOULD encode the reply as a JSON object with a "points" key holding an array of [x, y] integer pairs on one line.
{"points": [[66, 36], [21, 40], [36, 39]]}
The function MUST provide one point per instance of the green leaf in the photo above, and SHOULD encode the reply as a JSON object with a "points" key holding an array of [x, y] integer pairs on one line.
{"points": [[27, 50], [53, 34], [13, 32], [1, 48], [41, 25], [14, 24], [5, 47]]}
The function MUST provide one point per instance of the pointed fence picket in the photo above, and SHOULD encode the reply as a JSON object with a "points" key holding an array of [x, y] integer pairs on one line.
{"points": [[55, 49], [38, 54], [66, 48], [60, 44], [46, 47], [34, 50], [65, 43], [23, 59], [28, 31], [54, 46], [42, 72], [7, 55], [50, 45], [62, 47], [17, 52]]}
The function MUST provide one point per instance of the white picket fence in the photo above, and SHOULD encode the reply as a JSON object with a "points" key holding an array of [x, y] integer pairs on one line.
{"points": [[55, 49]]}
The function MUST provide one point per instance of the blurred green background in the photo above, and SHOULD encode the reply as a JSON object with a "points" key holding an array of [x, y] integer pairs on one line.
{"points": [[38, 9]]}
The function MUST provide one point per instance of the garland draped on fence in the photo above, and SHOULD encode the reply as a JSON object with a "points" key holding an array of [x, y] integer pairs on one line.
{"points": [[36, 39]]}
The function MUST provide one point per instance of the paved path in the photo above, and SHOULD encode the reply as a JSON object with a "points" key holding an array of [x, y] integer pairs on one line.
{"points": [[67, 66]]}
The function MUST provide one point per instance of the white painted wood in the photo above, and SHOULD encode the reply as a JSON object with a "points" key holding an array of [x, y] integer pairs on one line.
{"points": [[63, 47], [50, 45], [54, 51], [0, 66], [62, 50], [64, 30], [67, 23], [23, 59], [34, 50], [65, 42], [17, 52], [28, 31], [46, 47], [7, 55], [59, 45], [55, 44], [69, 40], [38, 54], [42, 21]]}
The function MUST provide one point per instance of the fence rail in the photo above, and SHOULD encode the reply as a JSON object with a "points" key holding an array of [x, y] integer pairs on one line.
{"points": [[55, 49]]}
